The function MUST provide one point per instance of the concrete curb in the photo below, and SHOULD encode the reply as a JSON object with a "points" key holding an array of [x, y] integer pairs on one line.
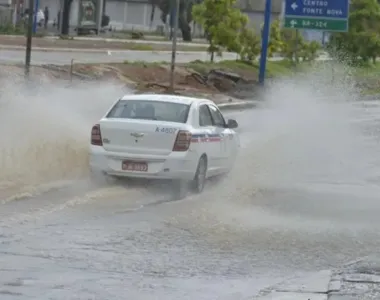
{"points": [[321, 285], [238, 105], [105, 51], [131, 41], [314, 286], [117, 40]]}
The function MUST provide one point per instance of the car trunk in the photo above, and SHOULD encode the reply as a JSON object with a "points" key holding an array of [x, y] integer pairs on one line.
{"points": [[143, 137]]}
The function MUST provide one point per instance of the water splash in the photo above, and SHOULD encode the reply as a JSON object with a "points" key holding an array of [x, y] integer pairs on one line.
{"points": [[45, 127]]}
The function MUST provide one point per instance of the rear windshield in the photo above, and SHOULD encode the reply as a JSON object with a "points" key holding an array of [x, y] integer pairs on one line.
{"points": [[150, 110]]}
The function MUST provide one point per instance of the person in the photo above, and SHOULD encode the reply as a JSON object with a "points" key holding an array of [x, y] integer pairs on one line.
{"points": [[58, 19], [46, 15]]}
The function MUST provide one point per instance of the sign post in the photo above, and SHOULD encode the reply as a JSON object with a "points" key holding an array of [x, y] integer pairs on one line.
{"points": [[265, 41], [322, 15]]}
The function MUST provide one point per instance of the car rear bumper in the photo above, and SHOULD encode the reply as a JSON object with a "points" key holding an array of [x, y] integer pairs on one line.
{"points": [[179, 165]]}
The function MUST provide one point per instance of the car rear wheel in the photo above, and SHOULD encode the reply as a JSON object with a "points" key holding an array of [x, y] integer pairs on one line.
{"points": [[199, 180]]}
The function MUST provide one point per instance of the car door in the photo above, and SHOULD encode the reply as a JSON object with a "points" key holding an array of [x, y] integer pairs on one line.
{"points": [[226, 135], [209, 143]]}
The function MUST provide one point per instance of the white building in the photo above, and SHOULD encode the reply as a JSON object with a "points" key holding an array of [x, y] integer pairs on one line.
{"points": [[135, 14]]}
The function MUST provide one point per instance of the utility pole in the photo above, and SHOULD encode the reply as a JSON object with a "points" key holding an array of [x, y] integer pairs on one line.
{"points": [[28, 52], [60, 18], [174, 46]]}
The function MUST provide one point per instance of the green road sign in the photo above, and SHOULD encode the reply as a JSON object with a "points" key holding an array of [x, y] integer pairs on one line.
{"points": [[316, 23]]}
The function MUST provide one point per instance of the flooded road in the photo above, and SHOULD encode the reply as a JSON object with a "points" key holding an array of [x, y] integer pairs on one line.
{"points": [[302, 197]]}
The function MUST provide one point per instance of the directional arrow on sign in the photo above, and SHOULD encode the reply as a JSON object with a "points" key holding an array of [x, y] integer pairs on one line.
{"points": [[294, 6], [293, 23]]}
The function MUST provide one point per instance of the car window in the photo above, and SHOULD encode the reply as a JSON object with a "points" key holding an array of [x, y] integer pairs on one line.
{"points": [[217, 117], [204, 116], [150, 110]]}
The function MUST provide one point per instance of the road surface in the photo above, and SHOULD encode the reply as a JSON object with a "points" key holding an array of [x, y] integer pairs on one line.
{"points": [[53, 56], [64, 58], [303, 197]]}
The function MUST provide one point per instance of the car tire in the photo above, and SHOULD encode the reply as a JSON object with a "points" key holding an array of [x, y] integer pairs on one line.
{"points": [[199, 180], [179, 189]]}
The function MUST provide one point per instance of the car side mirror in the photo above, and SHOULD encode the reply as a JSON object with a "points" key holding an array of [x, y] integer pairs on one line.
{"points": [[232, 124]]}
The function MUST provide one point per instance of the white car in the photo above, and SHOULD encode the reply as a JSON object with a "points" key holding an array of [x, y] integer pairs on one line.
{"points": [[155, 136]]}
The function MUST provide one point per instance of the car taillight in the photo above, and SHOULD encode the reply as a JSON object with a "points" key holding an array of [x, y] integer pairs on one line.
{"points": [[96, 136], [183, 141]]}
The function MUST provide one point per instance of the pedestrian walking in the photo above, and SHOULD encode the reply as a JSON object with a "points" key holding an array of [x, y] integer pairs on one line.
{"points": [[46, 15]]}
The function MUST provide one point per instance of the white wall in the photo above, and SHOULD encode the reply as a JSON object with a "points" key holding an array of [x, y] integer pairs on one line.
{"points": [[133, 15]]}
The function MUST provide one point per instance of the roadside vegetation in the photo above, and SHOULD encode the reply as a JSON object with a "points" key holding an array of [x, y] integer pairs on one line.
{"points": [[357, 50], [227, 30]]}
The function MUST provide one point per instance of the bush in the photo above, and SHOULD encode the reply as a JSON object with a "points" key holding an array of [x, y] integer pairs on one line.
{"points": [[137, 35]]}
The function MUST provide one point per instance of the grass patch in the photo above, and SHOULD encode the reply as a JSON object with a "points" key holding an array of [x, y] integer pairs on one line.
{"points": [[367, 75], [66, 37], [273, 68], [158, 47], [139, 47], [144, 33], [145, 64], [367, 71], [371, 92]]}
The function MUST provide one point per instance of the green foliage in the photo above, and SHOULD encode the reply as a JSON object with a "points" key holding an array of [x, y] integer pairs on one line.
{"points": [[310, 50], [250, 45], [293, 43], [362, 42], [294, 47], [11, 29], [222, 22], [137, 35], [275, 41]]}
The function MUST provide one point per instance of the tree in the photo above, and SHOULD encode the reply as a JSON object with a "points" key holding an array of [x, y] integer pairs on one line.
{"points": [[309, 51], [362, 41], [222, 22], [66, 17], [275, 42], [249, 45], [292, 43], [185, 16]]}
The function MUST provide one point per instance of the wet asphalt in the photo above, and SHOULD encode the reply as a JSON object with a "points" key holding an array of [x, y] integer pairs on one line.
{"points": [[289, 206]]}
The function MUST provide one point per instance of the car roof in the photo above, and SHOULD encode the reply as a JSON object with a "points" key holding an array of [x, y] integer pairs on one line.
{"points": [[165, 98]]}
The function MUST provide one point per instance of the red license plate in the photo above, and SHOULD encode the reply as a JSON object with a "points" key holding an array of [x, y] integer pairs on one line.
{"points": [[127, 165]]}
